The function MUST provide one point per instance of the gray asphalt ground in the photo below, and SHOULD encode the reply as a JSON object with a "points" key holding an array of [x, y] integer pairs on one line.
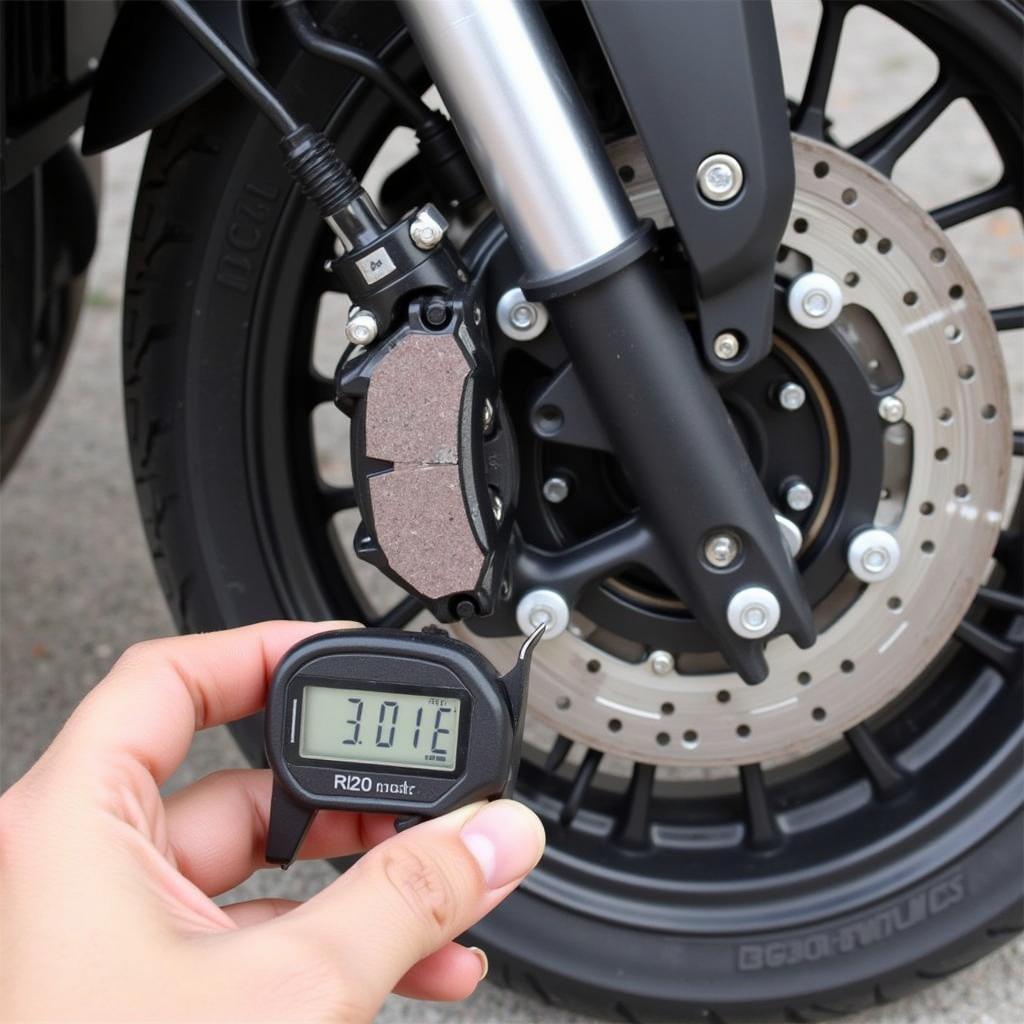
{"points": [[77, 586]]}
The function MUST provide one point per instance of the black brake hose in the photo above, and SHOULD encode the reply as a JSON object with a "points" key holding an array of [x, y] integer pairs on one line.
{"points": [[309, 155], [312, 39]]}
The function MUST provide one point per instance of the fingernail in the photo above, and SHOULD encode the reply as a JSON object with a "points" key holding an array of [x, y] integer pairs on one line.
{"points": [[506, 840], [482, 957]]}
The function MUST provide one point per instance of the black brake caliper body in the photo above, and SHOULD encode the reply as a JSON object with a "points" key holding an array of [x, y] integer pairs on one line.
{"points": [[433, 453]]}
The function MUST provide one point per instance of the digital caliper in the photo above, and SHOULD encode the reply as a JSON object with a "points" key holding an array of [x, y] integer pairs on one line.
{"points": [[384, 721]]}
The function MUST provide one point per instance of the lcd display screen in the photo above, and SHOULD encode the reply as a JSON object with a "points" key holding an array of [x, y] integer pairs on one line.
{"points": [[403, 730]]}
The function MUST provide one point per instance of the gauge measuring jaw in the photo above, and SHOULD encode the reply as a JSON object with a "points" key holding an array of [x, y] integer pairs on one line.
{"points": [[388, 722]]}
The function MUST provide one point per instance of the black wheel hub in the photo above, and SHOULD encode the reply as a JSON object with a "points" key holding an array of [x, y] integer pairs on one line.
{"points": [[812, 444]]}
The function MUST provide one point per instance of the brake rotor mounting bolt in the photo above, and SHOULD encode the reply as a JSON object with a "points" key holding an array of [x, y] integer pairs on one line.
{"points": [[542, 607], [719, 177], [555, 489], [891, 409], [726, 346], [791, 396], [873, 555], [519, 318], [753, 613], [427, 228], [799, 496], [814, 300], [661, 662], [361, 328], [721, 549]]}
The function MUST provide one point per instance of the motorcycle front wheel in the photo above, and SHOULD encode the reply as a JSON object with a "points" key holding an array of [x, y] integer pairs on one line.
{"points": [[818, 848]]}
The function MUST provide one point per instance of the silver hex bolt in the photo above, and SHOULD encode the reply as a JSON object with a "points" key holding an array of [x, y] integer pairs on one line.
{"points": [[361, 327], [497, 507], [891, 409], [555, 489], [753, 613], [542, 607], [488, 415], [661, 662], [799, 496], [814, 300], [722, 549], [791, 396], [427, 227], [519, 318], [719, 177], [873, 555], [726, 346]]}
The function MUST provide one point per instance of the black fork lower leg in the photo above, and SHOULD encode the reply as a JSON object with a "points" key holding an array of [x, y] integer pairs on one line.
{"points": [[511, 96], [680, 452]]}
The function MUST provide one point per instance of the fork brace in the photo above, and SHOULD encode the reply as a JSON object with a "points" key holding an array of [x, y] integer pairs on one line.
{"points": [[586, 256]]}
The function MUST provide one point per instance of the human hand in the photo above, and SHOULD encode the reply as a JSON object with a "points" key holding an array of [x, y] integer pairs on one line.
{"points": [[107, 888]]}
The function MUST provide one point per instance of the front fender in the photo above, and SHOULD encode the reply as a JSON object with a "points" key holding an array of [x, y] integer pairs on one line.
{"points": [[151, 69]]}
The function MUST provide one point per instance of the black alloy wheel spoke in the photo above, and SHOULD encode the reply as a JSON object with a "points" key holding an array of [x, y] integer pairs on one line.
{"points": [[557, 755], [336, 499], [1001, 654], [1018, 442], [319, 389], [1001, 599], [884, 146], [401, 615], [1003, 193], [1008, 547], [580, 784], [1008, 318], [809, 117], [887, 778], [634, 827], [762, 829]]}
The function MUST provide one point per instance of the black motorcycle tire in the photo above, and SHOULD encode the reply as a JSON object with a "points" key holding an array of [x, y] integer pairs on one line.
{"points": [[211, 196]]}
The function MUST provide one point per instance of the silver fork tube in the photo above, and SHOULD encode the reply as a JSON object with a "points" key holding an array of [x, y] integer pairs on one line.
{"points": [[526, 129]]}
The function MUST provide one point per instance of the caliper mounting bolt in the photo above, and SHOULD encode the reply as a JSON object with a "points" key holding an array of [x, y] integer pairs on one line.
{"points": [[542, 608], [427, 228], [719, 177], [519, 318], [873, 555], [753, 612], [726, 346], [721, 549], [361, 327]]}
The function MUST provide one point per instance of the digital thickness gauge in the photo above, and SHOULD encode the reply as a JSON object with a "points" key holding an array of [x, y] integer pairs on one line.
{"points": [[384, 721]]}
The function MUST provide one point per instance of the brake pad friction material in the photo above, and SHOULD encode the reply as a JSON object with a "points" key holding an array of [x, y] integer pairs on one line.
{"points": [[414, 400], [413, 412], [423, 530]]}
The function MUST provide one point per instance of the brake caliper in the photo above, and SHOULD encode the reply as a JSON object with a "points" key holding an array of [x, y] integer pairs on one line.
{"points": [[433, 454]]}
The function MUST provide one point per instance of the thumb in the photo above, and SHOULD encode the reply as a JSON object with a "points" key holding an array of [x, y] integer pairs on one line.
{"points": [[415, 892]]}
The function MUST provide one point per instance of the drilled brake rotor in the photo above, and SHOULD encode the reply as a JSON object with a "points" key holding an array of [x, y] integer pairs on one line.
{"points": [[915, 321]]}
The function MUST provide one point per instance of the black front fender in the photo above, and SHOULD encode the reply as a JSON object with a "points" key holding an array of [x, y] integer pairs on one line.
{"points": [[151, 69]]}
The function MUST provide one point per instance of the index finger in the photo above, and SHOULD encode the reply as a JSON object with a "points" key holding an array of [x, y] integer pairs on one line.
{"points": [[161, 692]]}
